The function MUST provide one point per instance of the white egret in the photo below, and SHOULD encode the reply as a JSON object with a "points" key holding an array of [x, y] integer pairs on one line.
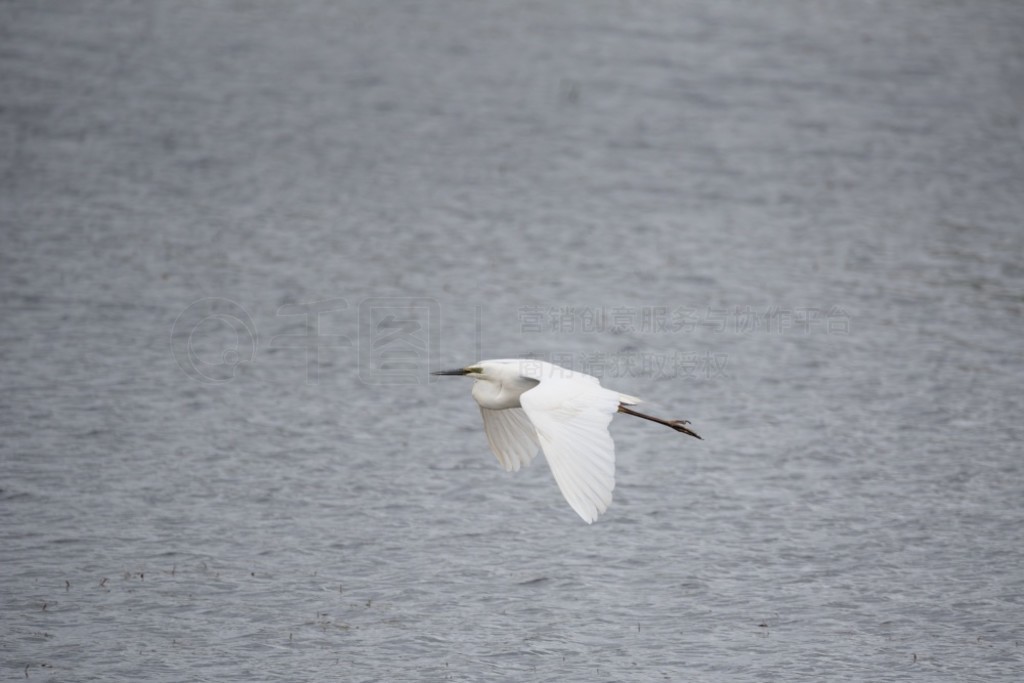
{"points": [[528, 405]]}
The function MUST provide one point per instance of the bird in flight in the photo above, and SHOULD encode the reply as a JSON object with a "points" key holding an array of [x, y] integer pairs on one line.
{"points": [[529, 405]]}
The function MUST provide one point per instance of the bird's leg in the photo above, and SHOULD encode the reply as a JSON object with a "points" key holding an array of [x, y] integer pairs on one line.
{"points": [[678, 425]]}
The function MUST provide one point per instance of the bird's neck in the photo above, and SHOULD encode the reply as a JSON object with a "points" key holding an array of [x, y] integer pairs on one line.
{"points": [[500, 395]]}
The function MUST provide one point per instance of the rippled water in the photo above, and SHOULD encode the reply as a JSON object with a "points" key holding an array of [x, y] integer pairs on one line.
{"points": [[236, 236]]}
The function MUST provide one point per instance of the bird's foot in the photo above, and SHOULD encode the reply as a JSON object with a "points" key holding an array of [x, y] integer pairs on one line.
{"points": [[680, 426]]}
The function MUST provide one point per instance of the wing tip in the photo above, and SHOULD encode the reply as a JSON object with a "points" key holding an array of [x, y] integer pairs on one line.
{"points": [[590, 510]]}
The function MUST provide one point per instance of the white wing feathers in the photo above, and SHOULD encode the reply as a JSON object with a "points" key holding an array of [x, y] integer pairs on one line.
{"points": [[571, 421], [511, 436]]}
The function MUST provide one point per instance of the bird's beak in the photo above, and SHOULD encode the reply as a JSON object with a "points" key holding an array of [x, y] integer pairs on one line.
{"points": [[460, 371]]}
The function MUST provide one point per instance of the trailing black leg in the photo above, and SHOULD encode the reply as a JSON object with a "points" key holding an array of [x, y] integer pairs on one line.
{"points": [[678, 425]]}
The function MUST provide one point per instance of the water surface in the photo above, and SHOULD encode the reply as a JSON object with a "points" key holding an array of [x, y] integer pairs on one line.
{"points": [[798, 226]]}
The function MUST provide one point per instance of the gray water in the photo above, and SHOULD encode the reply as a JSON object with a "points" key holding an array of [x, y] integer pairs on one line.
{"points": [[237, 236]]}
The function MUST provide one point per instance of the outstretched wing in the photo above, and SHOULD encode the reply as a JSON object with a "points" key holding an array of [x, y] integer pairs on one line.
{"points": [[511, 436], [571, 419]]}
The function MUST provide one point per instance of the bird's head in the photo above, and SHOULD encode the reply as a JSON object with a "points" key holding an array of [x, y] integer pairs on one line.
{"points": [[489, 370], [458, 371]]}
